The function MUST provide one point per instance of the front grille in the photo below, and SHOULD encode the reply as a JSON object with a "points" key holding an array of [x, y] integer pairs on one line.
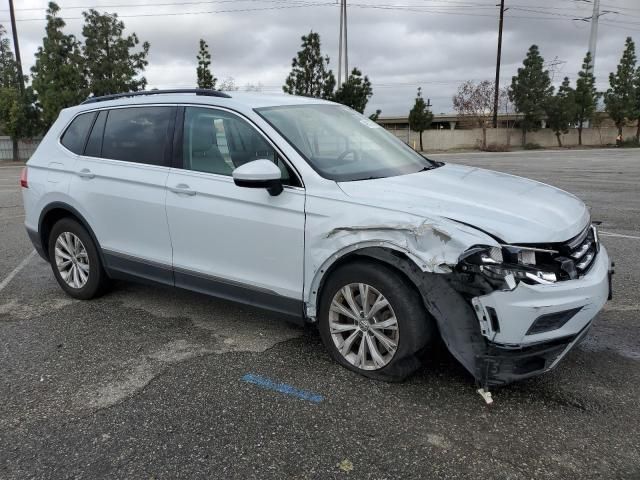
{"points": [[573, 258], [580, 251]]}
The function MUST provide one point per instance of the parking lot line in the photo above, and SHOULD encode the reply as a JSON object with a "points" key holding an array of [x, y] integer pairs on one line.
{"points": [[269, 384], [610, 234], [16, 270]]}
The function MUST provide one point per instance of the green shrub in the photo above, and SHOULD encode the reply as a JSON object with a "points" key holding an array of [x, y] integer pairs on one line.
{"points": [[531, 146]]}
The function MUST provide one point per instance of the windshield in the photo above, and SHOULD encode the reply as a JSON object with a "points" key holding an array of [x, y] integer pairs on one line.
{"points": [[342, 145]]}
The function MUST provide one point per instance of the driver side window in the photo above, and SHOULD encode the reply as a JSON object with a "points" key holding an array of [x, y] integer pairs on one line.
{"points": [[215, 141]]}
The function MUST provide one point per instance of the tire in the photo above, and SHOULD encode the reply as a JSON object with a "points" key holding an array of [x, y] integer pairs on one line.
{"points": [[414, 326], [73, 240]]}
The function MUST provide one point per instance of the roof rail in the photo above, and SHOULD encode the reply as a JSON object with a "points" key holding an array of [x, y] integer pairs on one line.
{"points": [[198, 91]]}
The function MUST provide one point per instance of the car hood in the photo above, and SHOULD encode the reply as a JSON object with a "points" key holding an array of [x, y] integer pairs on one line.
{"points": [[514, 209]]}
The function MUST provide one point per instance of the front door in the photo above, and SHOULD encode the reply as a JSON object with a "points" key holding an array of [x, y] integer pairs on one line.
{"points": [[234, 242]]}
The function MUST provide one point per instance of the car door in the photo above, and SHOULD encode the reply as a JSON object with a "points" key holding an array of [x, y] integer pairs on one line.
{"points": [[120, 185], [233, 242]]}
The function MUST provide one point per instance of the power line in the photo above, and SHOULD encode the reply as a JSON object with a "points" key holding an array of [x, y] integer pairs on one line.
{"points": [[153, 4], [441, 10], [172, 14]]}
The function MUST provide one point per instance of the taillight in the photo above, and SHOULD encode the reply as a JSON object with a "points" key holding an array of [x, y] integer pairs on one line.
{"points": [[24, 183]]}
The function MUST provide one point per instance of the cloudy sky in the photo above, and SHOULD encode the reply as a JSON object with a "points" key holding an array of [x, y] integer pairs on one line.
{"points": [[399, 44]]}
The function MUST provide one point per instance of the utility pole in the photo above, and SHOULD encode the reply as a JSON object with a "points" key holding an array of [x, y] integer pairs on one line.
{"points": [[496, 97], [340, 44], [593, 36], [346, 44], [16, 47], [343, 42]]}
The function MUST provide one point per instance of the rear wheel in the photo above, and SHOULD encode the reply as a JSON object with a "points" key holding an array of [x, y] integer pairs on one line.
{"points": [[75, 261], [373, 321]]}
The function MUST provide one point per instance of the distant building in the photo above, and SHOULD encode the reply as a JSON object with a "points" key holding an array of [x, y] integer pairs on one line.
{"points": [[399, 125]]}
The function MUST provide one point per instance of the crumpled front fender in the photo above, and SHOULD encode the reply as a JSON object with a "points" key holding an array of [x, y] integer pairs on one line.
{"points": [[434, 245]]}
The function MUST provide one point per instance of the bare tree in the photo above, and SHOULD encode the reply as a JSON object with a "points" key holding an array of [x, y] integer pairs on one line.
{"points": [[228, 85], [474, 101], [253, 87], [507, 107]]}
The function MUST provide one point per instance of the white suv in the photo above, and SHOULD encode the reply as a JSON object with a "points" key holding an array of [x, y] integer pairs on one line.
{"points": [[306, 208]]}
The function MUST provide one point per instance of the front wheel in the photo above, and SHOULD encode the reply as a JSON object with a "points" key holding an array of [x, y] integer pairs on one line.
{"points": [[75, 261], [373, 321]]}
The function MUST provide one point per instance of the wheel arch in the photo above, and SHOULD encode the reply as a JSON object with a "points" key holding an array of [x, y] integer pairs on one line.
{"points": [[56, 211], [387, 254]]}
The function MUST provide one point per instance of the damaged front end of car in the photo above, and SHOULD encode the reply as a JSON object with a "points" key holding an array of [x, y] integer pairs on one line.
{"points": [[530, 305], [506, 312]]}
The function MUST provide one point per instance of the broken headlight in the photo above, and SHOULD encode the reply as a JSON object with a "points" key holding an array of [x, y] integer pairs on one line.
{"points": [[507, 264]]}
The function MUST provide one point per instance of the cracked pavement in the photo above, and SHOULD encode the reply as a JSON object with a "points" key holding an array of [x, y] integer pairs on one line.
{"points": [[146, 382]]}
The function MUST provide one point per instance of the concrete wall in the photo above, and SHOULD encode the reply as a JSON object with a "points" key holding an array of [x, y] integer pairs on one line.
{"points": [[446, 139], [25, 148]]}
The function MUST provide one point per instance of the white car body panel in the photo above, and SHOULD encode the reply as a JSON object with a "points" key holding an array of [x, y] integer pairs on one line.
{"points": [[284, 245], [527, 302], [239, 234], [125, 197], [514, 209]]}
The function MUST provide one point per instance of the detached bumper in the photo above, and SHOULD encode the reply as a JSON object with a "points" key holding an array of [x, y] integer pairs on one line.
{"points": [[530, 329], [500, 366]]}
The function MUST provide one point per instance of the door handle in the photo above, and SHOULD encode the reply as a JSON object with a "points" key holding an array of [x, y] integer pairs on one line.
{"points": [[85, 173], [183, 189]]}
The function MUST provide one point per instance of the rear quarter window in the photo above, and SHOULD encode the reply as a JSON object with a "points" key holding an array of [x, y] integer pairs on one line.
{"points": [[75, 136], [94, 144], [137, 134]]}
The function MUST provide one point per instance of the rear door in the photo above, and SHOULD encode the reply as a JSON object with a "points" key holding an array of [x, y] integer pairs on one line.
{"points": [[120, 185], [233, 242]]}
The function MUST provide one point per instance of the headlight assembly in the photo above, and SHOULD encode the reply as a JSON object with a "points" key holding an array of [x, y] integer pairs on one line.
{"points": [[509, 264]]}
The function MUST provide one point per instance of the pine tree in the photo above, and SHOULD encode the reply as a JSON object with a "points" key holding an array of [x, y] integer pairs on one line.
{"points": [[58, 76], [111, 65], [18, 115], [375, 116], [620, 98], [8, 67], [586, 95], [205, 77], [420, 117], [561, 110], [310, 75], [529, 91], [355, 92]]}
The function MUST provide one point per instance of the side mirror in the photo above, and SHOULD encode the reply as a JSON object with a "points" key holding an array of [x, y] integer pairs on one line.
{"points": [[259, 174]]}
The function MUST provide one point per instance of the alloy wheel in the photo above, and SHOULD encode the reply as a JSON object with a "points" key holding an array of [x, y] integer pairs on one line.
{"points": [[363, 326], [72, 260]]}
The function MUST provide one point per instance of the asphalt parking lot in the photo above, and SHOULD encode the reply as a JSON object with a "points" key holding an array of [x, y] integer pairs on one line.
{"points": [[150, 382]]}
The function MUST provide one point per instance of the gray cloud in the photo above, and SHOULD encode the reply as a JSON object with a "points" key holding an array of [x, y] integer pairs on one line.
{"points": [[398, 50]]}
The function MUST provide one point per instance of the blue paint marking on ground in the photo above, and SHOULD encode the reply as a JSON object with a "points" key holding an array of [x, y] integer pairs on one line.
{"points": [[269, 384]]}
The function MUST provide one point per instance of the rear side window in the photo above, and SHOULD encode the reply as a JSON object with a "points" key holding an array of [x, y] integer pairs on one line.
{"points": [[75, 135], [137, 134], [94, 144]]}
